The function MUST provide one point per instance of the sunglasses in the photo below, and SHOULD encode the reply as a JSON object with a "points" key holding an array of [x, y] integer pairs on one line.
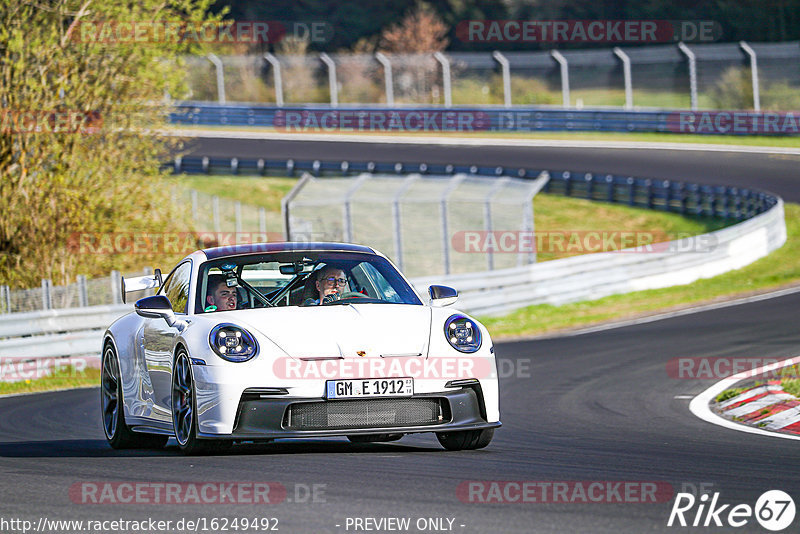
{"points": [[333, 280]]}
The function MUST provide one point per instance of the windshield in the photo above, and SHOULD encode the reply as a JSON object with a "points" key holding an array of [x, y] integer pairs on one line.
{"points": [[303, 278]]}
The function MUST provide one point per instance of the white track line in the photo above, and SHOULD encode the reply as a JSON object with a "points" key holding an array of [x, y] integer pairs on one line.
{"points": [[699, 405], [478, 141]]}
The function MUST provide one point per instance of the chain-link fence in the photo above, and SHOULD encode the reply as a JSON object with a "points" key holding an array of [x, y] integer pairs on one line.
{"points": [[707, 76], [425, 224], [216, 220], [82, 292]]}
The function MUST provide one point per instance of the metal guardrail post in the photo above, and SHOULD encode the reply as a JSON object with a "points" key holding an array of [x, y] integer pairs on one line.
{"points": [[83, 294], [276, 76], [215, 213], [5, 299], [562, 62], [195, 205], [528, 224], [753, 73], [626, 73], [220, 77], [451, 186], [692, 59], [387, 76], [504, 65], [348, 216], [487, 215], [116, 287], [47, 295], [262, 220], [332, 85], [398, 237], [237, 212], [286, 201], [447, 88]]}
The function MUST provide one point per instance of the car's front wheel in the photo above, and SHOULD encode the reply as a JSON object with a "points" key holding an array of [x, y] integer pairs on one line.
{"points": [[184, 410], [118, 434], [465, 439]]}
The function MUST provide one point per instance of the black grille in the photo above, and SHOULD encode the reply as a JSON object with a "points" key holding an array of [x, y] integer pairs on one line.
{"points": [[371, 413]]}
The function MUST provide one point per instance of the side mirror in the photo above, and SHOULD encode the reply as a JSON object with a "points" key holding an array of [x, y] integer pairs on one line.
{"points": [[156, 307], [442, 296]]}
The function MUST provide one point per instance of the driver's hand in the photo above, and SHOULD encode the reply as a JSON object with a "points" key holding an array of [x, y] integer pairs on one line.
{"points": [[330, 298]]}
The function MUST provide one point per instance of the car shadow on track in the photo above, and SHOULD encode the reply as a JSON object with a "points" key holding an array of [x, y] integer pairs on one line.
{"points": [[99, 448]]}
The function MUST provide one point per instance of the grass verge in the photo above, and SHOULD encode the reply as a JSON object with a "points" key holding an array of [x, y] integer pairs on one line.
{"points": [[66, 378], [780, 268]]}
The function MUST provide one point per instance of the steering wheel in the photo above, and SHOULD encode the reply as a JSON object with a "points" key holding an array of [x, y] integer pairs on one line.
{"points": [[352, 295]]}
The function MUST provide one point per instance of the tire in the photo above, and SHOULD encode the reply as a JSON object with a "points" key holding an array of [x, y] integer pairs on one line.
{"points": [[184, 411], [118, 434], [374, 438], [465, 439]]}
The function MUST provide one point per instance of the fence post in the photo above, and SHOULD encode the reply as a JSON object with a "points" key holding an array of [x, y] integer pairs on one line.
{"points": [[626, 73], [387, 76], [562, 62], [220, 77], [500, 58], [396, 216], [487, 216], [83, 294], [333, 87], [692, 73], [262, 221], [47, 295], [116, 281], [276, 74], [451, 185], [237, 211], [286, 204], [753, 73], [448, 92], [348, 216], [215, 213], [195, 205], [5, 299]]}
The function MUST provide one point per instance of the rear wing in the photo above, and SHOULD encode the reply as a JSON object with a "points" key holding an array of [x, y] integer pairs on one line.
{"points": [[140, 283]]}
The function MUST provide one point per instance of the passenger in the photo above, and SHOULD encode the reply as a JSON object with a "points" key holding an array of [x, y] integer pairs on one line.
{"points": [[220, 297]]}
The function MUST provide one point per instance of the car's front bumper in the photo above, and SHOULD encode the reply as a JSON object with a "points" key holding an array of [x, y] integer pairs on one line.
{"points": [[262, 416]]}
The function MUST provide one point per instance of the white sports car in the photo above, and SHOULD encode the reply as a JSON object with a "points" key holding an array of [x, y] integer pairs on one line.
{"points": [[294, 340]]}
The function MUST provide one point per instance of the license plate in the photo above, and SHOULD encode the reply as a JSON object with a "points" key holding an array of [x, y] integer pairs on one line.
{"points": [[369, 387]]}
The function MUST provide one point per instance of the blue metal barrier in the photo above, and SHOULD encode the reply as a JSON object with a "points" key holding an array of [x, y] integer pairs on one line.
{"points": [[665, 195], [431, 119]]}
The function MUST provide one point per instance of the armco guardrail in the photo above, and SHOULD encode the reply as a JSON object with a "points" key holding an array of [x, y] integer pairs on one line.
{"points": [[477, 119], [667, 195], [594, 276], [78, 331]]}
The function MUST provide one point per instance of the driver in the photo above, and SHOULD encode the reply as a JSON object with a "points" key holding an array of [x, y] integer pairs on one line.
{"points": [[219, 295], [330, 281]]}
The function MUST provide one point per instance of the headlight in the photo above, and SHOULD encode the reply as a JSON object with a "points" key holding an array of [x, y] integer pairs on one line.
{"points": [[232, 343], [462, 333]]}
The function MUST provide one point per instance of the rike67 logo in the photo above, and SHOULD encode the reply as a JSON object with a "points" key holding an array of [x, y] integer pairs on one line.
{"points": [[774, 510]]}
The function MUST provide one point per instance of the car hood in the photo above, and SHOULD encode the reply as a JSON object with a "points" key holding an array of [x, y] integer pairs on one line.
{"points": [[341, 331]]}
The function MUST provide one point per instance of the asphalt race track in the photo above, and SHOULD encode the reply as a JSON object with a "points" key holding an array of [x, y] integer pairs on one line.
{"points": [[592, 407]]}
